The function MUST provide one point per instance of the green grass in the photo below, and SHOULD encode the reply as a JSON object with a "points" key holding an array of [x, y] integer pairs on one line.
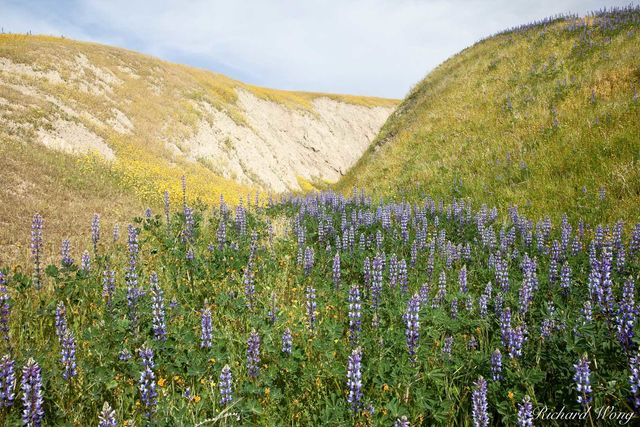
{"points": [[481, 126]]}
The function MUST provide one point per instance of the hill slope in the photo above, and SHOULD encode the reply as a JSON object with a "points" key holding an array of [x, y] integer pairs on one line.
{"points": [[543, 116], [82, 122]]}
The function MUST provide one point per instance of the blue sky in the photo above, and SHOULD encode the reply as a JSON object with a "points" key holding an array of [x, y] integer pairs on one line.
{"points": [[372, 47]]}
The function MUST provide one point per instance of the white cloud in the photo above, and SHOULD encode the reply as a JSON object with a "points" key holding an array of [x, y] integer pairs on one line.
{"points": [[374, 47]]}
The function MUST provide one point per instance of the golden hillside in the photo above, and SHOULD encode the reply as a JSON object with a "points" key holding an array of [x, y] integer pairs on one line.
{"points": [[82, 122]]}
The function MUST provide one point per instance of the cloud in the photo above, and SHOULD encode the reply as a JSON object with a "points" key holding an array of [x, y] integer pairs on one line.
{"points": [[373, 47]]}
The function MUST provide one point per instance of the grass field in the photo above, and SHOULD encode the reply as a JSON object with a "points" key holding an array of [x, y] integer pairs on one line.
{"points": [[543, 117]]}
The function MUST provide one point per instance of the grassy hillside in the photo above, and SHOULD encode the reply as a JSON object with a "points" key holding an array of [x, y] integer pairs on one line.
{"points": [[544, 116], [134, 124]]}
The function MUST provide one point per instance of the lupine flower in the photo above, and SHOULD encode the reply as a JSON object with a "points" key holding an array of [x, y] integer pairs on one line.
{"points": [[147, 382], [167, 207], [393, 271], [124, 355], [131, 277], [634, 379], [582, 380], [627, 311], [565, 278], [221, 233], [311, 307], [336, 270], [448, 343], [205, 327], [157, 308], [587, 312], [116, 232], [108, 286], [85, 262], [505, 326], [95, 231], [190, 256], [525, 413], [68, 354], [376, 283], [36, 248], [355, 314], [354, 379], [5, 309], [472, 344], [189, 224], [273, 310], [253, 354], [402, 422], [107, 416], [226, 386], [287, 341], [454, 308], [403, 279], [496, 365], [442, 290], [479, 401], [308, 260], [32, 400], [241, 219], [462, 279], [65, 254], [61, 319], [516, 340], [412, 326], [7, 381], [148, 213], [482, 304]]}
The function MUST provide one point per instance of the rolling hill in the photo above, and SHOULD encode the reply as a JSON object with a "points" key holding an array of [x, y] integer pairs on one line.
{"points": [[81, 123], [545, 116]]}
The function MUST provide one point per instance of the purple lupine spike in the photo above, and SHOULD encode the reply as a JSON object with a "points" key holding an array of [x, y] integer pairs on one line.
{"points": [[565, 278], [516, 340], [157, 308], [414, 254], [354, 379], [241, 219], [448, 344], [124, 355], [366, 273], [309, 256], [442, 290], [311, 307], [95, 231], [221, 233], [479, 403], [403, 278], [462, 279], [376, 283], [607, 283], [147, 382], [583, 381], [586, 312], [116, 232], [505, 327], [634, 379], [167, 207], [148, 214], [205, 328], [402, 422], [502, 274], [61, 319], [36, 249], [454, 308], [68, 355], [107, 417], [287, 341], [496, 365], [626, 317], [5, 309], [525, 295], [7, 381], [32, 399], [412, 326], [225, 386], [85, 262], [393, 271], [253, 354], [108, 286], [525, 413], [336, 270], [189, 224], [273, 310], [482, 305], [134, 293], [65, 254], [190, 255], [472, 344], [634, 243], [355, 315]]}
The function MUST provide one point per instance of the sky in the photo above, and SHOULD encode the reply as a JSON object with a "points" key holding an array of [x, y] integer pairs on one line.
{"points": [[373, 47]]}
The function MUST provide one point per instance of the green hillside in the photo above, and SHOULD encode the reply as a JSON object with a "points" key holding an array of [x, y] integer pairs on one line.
{"points": [[544, 116]]}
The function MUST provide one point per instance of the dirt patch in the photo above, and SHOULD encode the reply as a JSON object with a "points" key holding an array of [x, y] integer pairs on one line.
{"points": [[74, 138]]}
